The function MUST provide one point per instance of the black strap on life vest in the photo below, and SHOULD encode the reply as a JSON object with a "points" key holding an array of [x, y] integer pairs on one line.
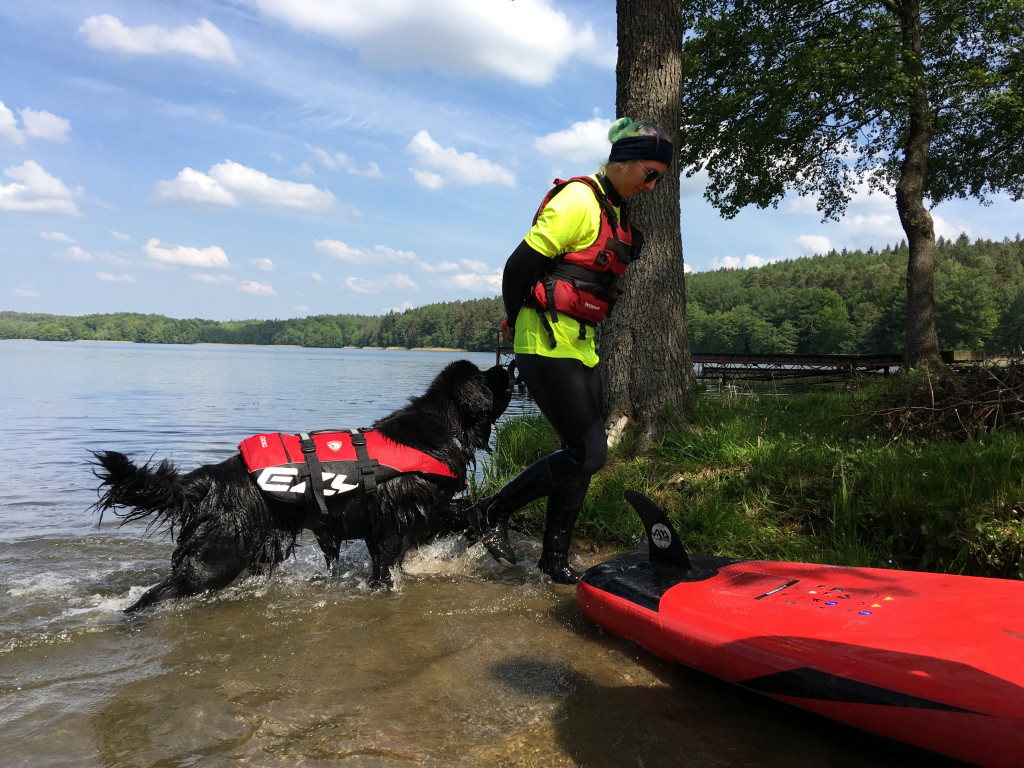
{"points": [[314, 501], [367, 466], [314, 475]]}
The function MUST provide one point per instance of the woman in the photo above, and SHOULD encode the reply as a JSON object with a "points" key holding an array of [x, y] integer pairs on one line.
{"points": [[559, 283]]}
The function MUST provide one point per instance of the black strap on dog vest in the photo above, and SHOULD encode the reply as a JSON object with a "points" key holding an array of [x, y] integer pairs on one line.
{"points": [[367, 466], [314, 473], [315, 479]]}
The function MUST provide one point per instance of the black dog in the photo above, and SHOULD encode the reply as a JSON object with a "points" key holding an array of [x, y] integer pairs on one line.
{"points": [[226, 521]]}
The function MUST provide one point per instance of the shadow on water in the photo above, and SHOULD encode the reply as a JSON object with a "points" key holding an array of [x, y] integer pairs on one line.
{"points": [[654, 714]]}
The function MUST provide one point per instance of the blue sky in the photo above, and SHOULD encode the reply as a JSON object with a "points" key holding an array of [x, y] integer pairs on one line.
{"points": [[231, 159]]}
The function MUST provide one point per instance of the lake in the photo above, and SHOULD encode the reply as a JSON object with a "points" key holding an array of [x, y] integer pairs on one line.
{"points": [[463, 664]]}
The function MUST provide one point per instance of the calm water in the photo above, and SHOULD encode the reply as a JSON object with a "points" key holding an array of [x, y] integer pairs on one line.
{"points": [[463, 665]]}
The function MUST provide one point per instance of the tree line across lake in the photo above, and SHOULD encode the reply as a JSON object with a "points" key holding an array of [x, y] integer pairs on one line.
{"points": [[840, 303]]}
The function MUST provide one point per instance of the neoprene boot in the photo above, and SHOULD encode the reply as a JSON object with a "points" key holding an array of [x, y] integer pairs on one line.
{"points": [[554, 558], [556, 565], [490, 515]]}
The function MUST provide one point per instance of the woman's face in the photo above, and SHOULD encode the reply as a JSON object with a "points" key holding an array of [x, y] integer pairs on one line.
{"points": [[636, 176]]}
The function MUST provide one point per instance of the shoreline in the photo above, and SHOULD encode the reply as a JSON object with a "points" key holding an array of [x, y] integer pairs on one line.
{"points": [[228, 344]]}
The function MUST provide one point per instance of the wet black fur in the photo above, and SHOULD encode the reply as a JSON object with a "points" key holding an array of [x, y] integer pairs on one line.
{"points": [[224, 525]]}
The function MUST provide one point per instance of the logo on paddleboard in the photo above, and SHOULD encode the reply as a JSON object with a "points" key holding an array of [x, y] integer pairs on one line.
{"points": [[661, 535]]}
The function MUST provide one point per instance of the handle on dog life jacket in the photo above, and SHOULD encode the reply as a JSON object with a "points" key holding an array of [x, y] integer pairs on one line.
{"points": [[367, 466], [316, 476]]}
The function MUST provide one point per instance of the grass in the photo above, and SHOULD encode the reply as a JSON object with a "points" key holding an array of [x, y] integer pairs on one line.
{"points": [[807, 477]]}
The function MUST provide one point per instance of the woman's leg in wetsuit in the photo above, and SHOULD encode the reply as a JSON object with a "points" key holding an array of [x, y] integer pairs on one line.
{"points": [[568, 393]]}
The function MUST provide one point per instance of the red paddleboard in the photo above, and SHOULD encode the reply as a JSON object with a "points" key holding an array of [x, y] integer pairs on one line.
{"points": [[932, 660]]}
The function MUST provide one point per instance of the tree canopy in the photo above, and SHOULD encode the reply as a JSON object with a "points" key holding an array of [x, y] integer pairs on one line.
{"points": [[919, 99], [815, 96]]}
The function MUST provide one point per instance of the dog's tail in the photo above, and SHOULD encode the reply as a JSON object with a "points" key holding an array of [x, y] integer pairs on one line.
{"points": [[134, 492]]}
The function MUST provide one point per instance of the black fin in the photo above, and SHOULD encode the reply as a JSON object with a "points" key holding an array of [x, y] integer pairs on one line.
{"points": [[665, 546]]}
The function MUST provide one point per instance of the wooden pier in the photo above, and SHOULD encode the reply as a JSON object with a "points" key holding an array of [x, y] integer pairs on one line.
{"points": [[716, 365]]}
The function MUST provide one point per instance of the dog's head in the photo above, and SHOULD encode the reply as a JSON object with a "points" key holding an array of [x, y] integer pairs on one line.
{"points": [[453, 418], [479, 397]]}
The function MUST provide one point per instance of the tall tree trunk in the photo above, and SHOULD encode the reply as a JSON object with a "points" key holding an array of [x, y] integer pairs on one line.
{"points": [[647, 368], [922, 343]]}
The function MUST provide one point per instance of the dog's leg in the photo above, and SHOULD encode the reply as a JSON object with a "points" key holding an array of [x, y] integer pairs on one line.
{"points": [[386, 552], [165, 590], [202, 569]]}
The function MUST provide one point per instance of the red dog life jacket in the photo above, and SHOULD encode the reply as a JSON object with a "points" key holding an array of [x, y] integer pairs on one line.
{"points": [[300, 468], [581, 283]]}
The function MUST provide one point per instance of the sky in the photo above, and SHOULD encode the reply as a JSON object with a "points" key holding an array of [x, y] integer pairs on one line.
{"points": [[239, 159]]}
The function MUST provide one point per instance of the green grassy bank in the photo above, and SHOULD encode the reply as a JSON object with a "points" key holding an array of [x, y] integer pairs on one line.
{"points": [[904, 474]]}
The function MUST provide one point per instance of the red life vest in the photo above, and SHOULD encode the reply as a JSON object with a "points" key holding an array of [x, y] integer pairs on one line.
{"points": [[294, 467], [581, 284]]}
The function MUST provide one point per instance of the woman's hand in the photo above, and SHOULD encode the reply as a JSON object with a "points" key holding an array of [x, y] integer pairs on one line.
{"points": [[507, 332]]}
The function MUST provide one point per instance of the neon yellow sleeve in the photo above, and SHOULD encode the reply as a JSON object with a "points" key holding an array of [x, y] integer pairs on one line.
{"points": [[570, 221]]}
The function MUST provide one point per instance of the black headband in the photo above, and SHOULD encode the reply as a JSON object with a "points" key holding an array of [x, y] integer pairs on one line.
{"points": [[642, 148]]}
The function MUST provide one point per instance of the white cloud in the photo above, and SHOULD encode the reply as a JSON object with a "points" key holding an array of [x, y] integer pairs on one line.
{"points": [[946, 229], [234, 185], [119, 236], [380, 253], [57, 237], [427, 180], [872, 228], [202, 277], [385, 283], [202, 39], [9, 125], [115, 259], [37, 191], [814, 244], [26, 291], [74, 253], [339, 161], [45, 125], [257, 289], [443, 266], [36, 124], [317, 277], [264, 264], [300, 308], [476, 276], [733, 262], [122, 278], [180, 254], [342, 252], [526, 41], [448, 165], [579, 143]]}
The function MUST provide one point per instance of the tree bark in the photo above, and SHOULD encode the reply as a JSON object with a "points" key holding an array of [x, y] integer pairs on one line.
{"points": [[647, 369], [922, 343]]}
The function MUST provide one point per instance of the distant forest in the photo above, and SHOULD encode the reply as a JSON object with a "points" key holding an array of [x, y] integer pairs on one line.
{"points": [[843, 302]]}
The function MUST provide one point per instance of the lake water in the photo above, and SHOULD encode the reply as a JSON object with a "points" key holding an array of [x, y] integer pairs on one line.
{"points": [[464, 664]]}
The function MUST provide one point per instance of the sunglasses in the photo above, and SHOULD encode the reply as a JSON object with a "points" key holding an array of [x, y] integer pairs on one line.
{"points": [[650, 175]]}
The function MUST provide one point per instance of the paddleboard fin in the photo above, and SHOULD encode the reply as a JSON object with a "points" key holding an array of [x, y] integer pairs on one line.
{"points": [[664, 544]]}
